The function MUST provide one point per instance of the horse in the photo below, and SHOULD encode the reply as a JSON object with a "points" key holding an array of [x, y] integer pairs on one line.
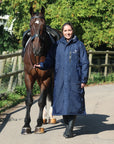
{"points": [[37, 47]]}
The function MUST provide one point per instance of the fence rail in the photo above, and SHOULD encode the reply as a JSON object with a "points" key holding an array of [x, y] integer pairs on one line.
{"points": [[10, 55], [10, 73], [2, 57], [106, 60], [101, 52], [14, 61], [107, 56]]}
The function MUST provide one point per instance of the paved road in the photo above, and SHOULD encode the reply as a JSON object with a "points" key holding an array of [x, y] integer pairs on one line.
{"points": [[95, 128]]}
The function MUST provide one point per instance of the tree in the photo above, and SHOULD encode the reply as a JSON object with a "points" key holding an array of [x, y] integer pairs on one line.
{"points": [[8, 42], [92, 19]]}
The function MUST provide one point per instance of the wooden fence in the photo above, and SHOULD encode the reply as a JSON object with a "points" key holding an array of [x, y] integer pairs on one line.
{"points": [[106, 56], [14, 62], [17, 65]]}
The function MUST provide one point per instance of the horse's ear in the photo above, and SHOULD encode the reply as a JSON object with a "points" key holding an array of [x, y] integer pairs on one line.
{"points": [[31, 11], [43, 10]]}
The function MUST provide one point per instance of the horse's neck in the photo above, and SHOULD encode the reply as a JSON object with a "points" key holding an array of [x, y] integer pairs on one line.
{"points": [[36, 59]]}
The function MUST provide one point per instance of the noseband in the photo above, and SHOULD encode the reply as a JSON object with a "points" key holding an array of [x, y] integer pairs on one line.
{"points": [[34, 36], [37, 17]]}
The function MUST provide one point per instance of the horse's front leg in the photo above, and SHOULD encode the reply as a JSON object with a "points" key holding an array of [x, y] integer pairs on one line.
{"points": [[41, 104], [28, 101]]}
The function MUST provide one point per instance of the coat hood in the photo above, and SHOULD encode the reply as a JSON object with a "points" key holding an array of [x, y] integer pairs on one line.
{"points": [[73, 39]]}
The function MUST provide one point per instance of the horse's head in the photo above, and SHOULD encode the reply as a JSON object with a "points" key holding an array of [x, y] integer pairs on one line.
{"points": [[38, 30]]}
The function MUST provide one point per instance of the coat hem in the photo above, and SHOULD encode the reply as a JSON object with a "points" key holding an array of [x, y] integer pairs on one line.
{"points": [[59, 114]]}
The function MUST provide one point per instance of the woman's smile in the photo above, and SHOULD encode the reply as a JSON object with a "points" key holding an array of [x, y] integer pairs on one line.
{"points": [[67, 32]]}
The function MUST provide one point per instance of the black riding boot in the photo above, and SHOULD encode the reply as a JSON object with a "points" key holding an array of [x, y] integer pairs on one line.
{"points": [[69, 121]]}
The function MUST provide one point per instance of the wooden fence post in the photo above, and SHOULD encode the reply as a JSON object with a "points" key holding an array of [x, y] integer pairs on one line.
{"points": [[19, 68], [106, 62], [11, 78], [90, 62], [2, 64], [98, 62]]}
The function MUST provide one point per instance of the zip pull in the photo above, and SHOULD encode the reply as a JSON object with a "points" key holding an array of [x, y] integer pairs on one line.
{"points": [[70, 57]]}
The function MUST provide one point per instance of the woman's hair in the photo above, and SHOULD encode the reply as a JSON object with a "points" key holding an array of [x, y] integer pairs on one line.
{"points": [[68, 23]]}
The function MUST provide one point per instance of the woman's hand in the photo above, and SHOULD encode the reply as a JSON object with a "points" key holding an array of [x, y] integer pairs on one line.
{"points": [[36, 66], [83, 85]]}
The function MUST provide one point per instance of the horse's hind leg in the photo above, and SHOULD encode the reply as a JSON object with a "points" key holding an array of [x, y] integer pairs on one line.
{"points": [[41, 104], [52, 119], [28, 101]]}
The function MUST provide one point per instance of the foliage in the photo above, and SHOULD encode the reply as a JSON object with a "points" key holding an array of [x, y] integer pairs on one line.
{"points": [[8, 42], [19, 10], [98, 78], [92, 19], [21, 90], [13, 98]]}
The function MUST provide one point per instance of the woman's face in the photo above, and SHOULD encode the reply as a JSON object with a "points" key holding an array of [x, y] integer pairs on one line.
{"points": [[67, 32]]}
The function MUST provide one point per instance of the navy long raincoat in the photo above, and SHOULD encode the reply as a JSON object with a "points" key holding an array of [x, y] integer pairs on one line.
{"points": [[71, 69]]}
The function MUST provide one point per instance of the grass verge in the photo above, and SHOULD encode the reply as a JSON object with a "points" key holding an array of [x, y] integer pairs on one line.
{"points": [[10, 99]]}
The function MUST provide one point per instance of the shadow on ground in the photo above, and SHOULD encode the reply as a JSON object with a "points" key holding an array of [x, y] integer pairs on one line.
{"points": [[89, 124], [93, 124]]}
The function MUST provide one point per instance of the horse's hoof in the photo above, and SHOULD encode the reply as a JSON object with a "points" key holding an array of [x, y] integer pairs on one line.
{"points": [[44, 121], [52, 121], [26, 130], [39, 130]]}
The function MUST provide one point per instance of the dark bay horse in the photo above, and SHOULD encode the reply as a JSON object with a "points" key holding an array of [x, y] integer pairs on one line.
{"points": [[37, 48]]}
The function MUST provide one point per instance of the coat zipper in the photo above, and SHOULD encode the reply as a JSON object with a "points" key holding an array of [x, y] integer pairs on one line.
{"points": [[70, 56]]}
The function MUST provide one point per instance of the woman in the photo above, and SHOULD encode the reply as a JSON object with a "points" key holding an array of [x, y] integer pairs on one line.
{"points": [[69, 58]]}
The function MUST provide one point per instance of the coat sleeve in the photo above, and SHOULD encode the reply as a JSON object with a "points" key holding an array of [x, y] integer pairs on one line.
{"points": [[50, 59], [84, 62]]}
